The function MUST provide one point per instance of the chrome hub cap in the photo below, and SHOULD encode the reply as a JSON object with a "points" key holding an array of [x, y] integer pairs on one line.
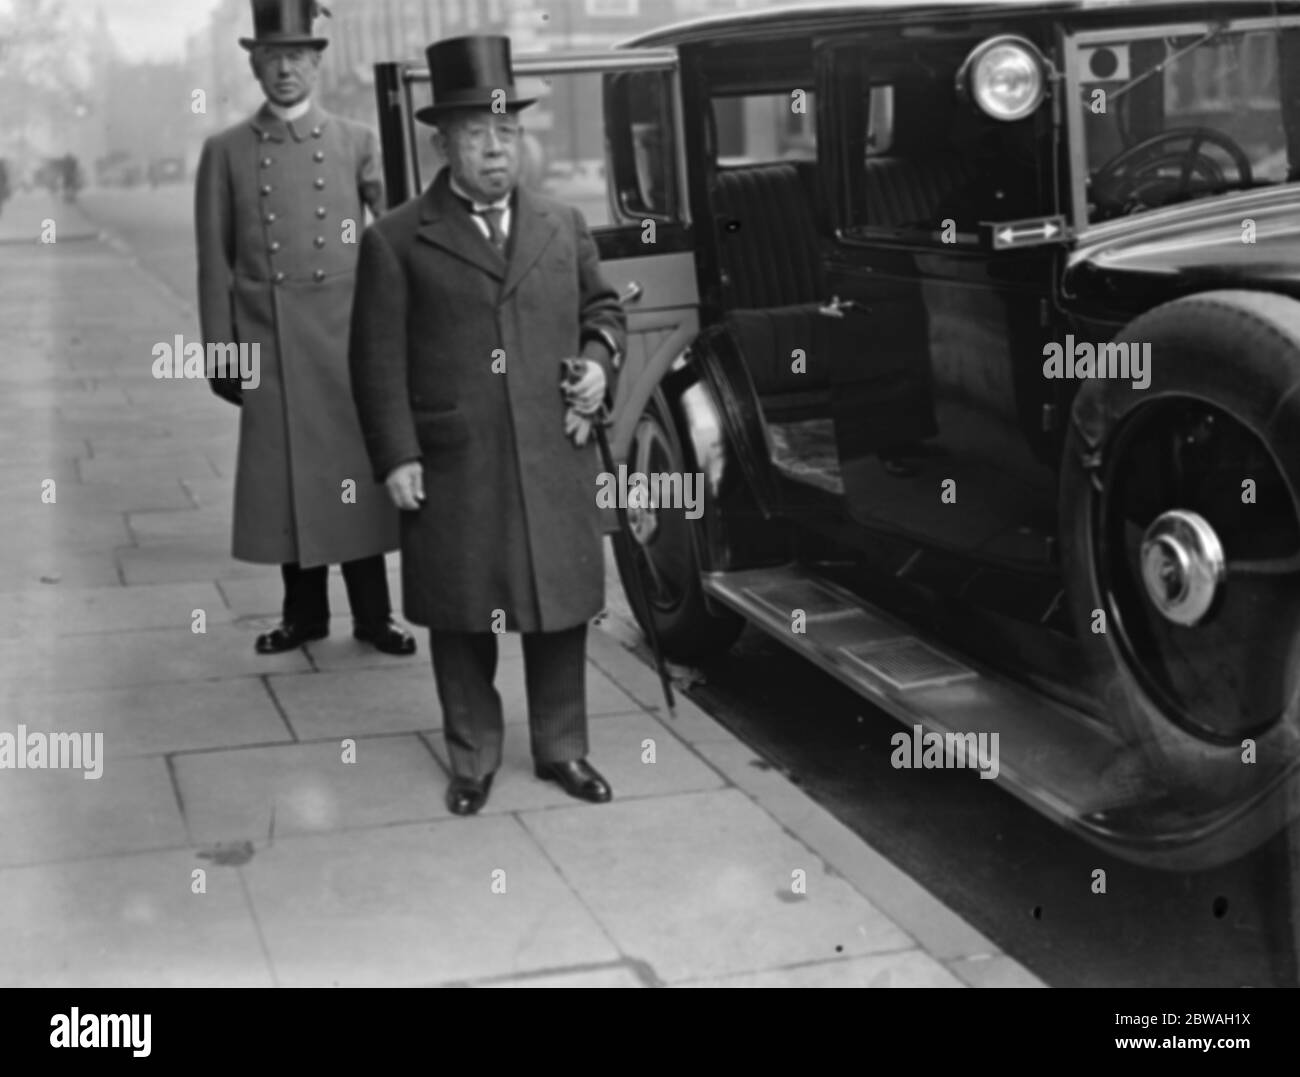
{"points": [[1182, 566]]}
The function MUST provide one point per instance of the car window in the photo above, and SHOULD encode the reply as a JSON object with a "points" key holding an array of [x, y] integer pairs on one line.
{"points": [[756, 128]]}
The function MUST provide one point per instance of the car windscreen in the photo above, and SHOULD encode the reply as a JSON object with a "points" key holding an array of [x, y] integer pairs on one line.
{"points": [[1171, 115]]}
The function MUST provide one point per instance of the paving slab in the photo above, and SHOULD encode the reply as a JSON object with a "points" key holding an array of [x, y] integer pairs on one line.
{"points": [[414, 905], [618, 976], [146, 656], [702, 885], [911, 968], [157, 719], [253, 793], [61, 815], [69, 611], [131, 921]]}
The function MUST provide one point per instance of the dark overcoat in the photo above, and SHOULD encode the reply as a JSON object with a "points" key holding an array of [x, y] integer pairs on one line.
{"points": [[456, 361], [279, 214]]}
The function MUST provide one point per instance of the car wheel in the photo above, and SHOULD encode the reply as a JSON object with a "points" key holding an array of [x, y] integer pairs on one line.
{"points": [[1181, 537], [663, 553]]}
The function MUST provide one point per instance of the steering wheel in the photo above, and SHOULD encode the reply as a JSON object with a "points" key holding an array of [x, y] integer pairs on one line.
{"points": [[1130, 176]]}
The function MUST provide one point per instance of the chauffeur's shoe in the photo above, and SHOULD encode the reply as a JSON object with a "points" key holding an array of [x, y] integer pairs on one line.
{"points": [[578, 778], [466, 795], [287, 636], [386, 637]]}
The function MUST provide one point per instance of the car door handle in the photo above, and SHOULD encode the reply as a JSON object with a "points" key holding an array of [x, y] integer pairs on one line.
{"points": [[632, 292]]}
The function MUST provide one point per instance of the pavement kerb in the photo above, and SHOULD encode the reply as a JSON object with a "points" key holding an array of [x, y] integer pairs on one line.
{"points": [[936, 928]]}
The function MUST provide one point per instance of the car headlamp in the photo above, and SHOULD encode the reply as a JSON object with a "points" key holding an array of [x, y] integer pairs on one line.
{"points": [[1005, 76]]}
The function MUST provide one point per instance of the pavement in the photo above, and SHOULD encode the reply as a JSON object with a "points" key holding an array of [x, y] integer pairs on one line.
{"points": [[279, 820]]}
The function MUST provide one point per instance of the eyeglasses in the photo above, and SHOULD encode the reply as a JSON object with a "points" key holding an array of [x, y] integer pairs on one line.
{"points": [[477, 133]]}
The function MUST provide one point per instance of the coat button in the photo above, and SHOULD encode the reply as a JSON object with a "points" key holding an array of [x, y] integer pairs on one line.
{"points": [[278, 278], [315, 132], [275, 246], [266, 189], [318, 276], [270, 218], [320, 212], [319, 183], [318, 156], [319, 241], [266, 136], [266, 162]]}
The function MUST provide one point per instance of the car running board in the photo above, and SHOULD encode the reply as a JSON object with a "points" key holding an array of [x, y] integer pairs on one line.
{"points": [[1064, 764]]}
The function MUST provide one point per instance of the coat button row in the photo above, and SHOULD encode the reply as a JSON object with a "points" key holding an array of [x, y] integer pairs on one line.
{"points": [[279, 277]]}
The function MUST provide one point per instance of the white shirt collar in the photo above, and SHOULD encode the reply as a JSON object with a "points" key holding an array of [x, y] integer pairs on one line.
{"points": [[293, 112], [501, 203]]}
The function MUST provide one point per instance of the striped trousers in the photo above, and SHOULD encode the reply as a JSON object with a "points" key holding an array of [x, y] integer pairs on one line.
{"points": [[555, 667]]}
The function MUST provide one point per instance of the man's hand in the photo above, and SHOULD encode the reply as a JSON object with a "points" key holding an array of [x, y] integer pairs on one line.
{"points": [[587, 393], [405, 485]]}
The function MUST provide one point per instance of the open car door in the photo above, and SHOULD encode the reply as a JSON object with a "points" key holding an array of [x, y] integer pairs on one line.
{"points": [[604, 136]]}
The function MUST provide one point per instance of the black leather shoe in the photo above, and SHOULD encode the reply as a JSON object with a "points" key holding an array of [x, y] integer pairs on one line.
{"points": [[287, 636], [386, 637], [465, 796], [578, 778]]}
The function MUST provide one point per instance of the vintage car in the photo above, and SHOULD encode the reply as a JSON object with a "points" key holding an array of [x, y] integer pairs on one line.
{"points": [[981, 322]]}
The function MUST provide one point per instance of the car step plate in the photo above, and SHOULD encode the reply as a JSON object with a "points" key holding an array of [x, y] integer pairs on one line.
{"points": [[1069, 767], [907, 663]]}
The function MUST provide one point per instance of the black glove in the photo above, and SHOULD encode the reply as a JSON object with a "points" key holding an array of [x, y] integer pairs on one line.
{"points": [[228, 389]]}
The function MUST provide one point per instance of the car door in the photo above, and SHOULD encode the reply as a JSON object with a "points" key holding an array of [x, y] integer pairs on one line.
{"points": [[604, 136]]}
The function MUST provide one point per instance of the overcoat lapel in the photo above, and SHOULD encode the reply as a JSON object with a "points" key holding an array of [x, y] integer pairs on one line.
{"points": [[532, 229], [445, 224], [267, 123]]}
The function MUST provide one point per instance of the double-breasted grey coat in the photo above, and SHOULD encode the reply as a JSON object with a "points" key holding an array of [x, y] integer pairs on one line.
{"points": [[456, 361], [279, 215]]}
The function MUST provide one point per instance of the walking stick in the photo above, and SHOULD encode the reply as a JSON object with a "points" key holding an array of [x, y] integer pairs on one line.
{"points": [[637, 591]]}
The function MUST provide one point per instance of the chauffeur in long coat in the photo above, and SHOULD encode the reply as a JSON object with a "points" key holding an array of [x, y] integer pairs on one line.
{"points": [[279, 209], [468, 299]]}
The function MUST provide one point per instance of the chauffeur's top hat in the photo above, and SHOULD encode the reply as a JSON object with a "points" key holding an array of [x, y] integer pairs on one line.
{"points": [[285, 22], [471, 72]]}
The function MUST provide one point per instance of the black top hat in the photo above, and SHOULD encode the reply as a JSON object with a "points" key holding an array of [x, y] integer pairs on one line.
{"points": [[470, 72], [285, 22]]}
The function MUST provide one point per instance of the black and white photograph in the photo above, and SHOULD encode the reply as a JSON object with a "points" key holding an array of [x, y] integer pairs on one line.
{"points": [[651, 493]]}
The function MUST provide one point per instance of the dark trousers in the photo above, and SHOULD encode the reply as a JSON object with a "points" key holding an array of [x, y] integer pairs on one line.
{"points": [[306, 592], [464, 667]]}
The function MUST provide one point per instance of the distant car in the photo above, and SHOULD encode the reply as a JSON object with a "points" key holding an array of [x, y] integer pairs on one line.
{"points": [[119, 170], [980, 325], [166, 170]]}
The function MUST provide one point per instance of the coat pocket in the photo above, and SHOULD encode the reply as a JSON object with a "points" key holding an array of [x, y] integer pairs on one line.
{"points": [[440, 432]]}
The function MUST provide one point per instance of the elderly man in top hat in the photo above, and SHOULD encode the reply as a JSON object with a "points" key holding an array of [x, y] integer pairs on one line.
{"points": [[279, 209], [469, 299]]}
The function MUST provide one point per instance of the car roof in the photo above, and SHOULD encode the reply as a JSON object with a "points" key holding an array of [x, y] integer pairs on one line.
{"points": [[829, 17]]}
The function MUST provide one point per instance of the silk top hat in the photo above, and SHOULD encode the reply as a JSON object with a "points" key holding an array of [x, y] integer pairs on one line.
{"points": [[471, 72], [285, 22]]}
